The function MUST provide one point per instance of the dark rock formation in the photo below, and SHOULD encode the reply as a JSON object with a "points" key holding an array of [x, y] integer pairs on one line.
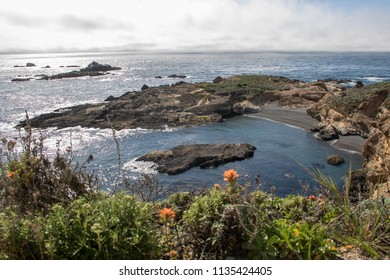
{"points": [[72, 74], [334, 160], [28, 64], [158, 77], [359, 84], [177, 76], [110, 98], [97, 67], [46, 67], [144, 87], [20, 79], [217, 80], [182, 158], [328, 133], [72, 66]]}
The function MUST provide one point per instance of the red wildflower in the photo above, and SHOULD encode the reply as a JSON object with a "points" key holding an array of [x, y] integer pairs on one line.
{"points": [[230, 176], [166, 214]]}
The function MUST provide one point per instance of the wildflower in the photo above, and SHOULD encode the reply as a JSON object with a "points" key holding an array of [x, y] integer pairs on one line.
{"points": [[312, 198], [320, 201], [11, 174], [165, 214], [296, 232], [230, 176], [172, 254], [217, 186]]}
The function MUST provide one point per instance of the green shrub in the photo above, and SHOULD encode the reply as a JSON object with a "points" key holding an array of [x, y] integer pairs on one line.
{"points": [[20, 237], [283, 239], [115, 227], [212, 226]]}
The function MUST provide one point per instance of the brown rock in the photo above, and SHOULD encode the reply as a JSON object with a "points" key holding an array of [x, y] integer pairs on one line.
{"points": [[328, 133], [334, 160]]}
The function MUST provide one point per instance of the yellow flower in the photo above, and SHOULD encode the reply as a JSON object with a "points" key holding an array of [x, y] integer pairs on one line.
{"points": [[230, 176], [166, 214], [11, 174], [296, 232]]}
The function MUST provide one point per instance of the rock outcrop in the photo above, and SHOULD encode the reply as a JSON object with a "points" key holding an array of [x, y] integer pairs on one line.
{"points": [[97, 67], [182, 158], [361, 111], [177, 105]]}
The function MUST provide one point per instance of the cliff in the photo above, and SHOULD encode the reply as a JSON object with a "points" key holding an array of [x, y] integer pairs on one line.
{"points": [[365, 112]]}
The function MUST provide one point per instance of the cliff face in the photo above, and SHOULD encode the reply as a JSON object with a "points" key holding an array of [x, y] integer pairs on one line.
{"points": [[377, 153], [364, 112]]}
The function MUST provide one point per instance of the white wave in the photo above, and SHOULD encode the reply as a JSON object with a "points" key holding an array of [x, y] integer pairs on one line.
{"points": [[106, 80], [374, 79], [141, 166], [271, 120], [333, 144]]}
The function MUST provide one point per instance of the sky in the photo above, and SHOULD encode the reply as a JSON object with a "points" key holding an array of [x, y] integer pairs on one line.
{"points": [[194, 25]]}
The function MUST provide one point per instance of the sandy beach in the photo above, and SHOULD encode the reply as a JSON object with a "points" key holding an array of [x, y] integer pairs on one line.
{"points": [[299, 118]]}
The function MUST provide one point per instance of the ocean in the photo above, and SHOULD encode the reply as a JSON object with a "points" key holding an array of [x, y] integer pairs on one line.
{"points": [[283, 152]]}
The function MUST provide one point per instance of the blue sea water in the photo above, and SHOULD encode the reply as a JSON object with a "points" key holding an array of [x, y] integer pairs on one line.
{"points": [[282, 151]]}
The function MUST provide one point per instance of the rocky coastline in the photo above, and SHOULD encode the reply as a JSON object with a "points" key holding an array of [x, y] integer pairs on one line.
{"points": [[362, 111]]}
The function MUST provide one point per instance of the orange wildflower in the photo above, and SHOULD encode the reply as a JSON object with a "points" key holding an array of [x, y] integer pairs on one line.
{"points": [[312, 198], [11, 174], [217, 186], [166, 214], [230, 175], [172, 254]]}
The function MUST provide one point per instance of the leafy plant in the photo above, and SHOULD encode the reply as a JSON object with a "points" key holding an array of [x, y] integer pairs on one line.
{"points": [[115, 227]]}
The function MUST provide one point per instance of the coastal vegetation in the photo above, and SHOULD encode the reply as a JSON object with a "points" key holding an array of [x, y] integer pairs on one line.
{"points": [[51, 208]]}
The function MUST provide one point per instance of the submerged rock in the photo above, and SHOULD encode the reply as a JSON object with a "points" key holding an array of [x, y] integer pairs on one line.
{"points": [[184, 157]]}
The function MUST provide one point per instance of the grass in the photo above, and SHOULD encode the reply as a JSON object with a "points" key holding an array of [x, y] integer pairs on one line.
{"points": [[352, 98], [253, 83]]}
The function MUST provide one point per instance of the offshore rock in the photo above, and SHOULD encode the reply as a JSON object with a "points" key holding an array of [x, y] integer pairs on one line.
{"points": [[97, 67], [184, 157], [175, 76]]}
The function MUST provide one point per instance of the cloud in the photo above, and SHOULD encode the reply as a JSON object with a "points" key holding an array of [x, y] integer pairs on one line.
{"points": [[196, 25]]}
